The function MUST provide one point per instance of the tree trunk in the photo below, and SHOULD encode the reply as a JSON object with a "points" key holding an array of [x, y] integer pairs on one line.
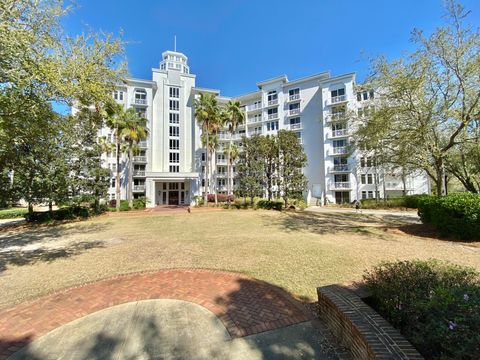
{"points": [[205, 194], [286, 201], [30, 208], [440, 180], [50, 208], [130, 177], [404, 182], [117, 178]]}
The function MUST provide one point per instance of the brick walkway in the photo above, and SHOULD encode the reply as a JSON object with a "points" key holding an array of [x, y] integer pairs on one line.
{"points": [[245, 306]]}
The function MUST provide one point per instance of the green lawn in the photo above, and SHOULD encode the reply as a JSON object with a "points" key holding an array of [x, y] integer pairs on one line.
{"points": [[12, 213], [297, 251]]}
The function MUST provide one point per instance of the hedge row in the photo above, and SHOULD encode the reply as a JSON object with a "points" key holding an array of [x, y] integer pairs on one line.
{"points": [[66, 213], [409, 201], [456, 215], [436, 306]]}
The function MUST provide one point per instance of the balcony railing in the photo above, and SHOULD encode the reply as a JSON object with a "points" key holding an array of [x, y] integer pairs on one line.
{"points": [[338, 99], [340, 168], [336, 117], [272, 116], [140, 159], [294, 97], [138, 172], [254, 120], [221, 161], [339, 133], [255, 107], [140, 101], [138, 187], [295, 111], [341, 185], [295, 126], [339, 150], [272, 102], [252, 133], [142, 144]]}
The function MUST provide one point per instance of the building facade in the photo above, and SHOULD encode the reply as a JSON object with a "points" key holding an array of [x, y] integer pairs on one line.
{"points": [[170, 166]]}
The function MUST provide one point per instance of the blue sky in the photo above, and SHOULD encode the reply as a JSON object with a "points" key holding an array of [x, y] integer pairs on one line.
{"points": [[233, 44]]}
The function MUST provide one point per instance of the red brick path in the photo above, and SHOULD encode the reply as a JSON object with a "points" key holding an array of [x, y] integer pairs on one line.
{"points": [[245, 306]]}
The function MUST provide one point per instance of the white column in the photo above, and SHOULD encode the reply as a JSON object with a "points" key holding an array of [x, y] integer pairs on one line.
{"points": [[150, 192]]}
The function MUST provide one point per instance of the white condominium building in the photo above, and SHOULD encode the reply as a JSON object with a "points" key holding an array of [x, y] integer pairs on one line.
{"points": [[169, 168]]}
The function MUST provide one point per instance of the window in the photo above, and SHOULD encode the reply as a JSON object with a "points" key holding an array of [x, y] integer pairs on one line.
{"points": [[364, 194], [174, 118], [295, 106], [363, 179], [272, 97], [174, 105], [370, 194], [174, 144], [174, 157], [113, 183], [272, 113], [174, 168], [118, 95], [222, 170], [174, 92], [294, 121], [140, 95], [174, 131], [339, 143], [369, 179], [203, 156], [221, 157], [222, 182], [338, 92], [294, 94], [272, 126]]}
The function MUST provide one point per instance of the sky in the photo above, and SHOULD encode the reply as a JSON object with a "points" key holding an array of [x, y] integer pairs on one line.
{"points": [[233, 44]]}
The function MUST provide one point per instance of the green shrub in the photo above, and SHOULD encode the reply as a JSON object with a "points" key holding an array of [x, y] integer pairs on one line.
{"points": [[65, 213], [435, 305], [270, 204], [383, 203], [412, 201], [140, 203], [13, 213], [456, 215], [124, 205]]}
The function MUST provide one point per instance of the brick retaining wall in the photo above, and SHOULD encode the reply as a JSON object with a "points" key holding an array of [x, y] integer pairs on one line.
{"points": [[360, 328]]}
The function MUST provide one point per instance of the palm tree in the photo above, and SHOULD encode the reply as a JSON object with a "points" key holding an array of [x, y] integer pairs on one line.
{"points": [[207, 114], [235, 116], [134, 131], [116, 121]]}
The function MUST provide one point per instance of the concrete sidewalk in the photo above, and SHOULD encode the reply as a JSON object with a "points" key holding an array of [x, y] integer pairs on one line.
{"points": [[171, 329]]}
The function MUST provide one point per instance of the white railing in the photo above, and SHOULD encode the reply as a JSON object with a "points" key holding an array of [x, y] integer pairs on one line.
{"points": [[295, 126], [340, 167], [142, 144], [337, 99], [341, 185], [138, 172], [138, 187], [140, 158], [272, 102], [140, 101], [272, 116], [221, 161], [336, 117], [255, 107], [252, 133], [339, 150], [253, 120], [295, 111], [339, 133], [294, 97]]}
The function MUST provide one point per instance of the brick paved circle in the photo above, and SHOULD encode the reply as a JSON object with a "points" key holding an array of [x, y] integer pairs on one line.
{"points": [[245, 306]]}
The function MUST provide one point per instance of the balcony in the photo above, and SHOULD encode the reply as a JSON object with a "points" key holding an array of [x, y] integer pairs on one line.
{"points": [[340, 150], [292, 98], [272, 116], [254, 120], [339, 168], [296, 126], [142, 144], [339, 133], [253, 133], [140, 102], [140, 173], [272, 102], [293, 112], [254, 107], [335, 117], [221, 162], [337, 99], [138, 188], [343, 185], [139, 159]]}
